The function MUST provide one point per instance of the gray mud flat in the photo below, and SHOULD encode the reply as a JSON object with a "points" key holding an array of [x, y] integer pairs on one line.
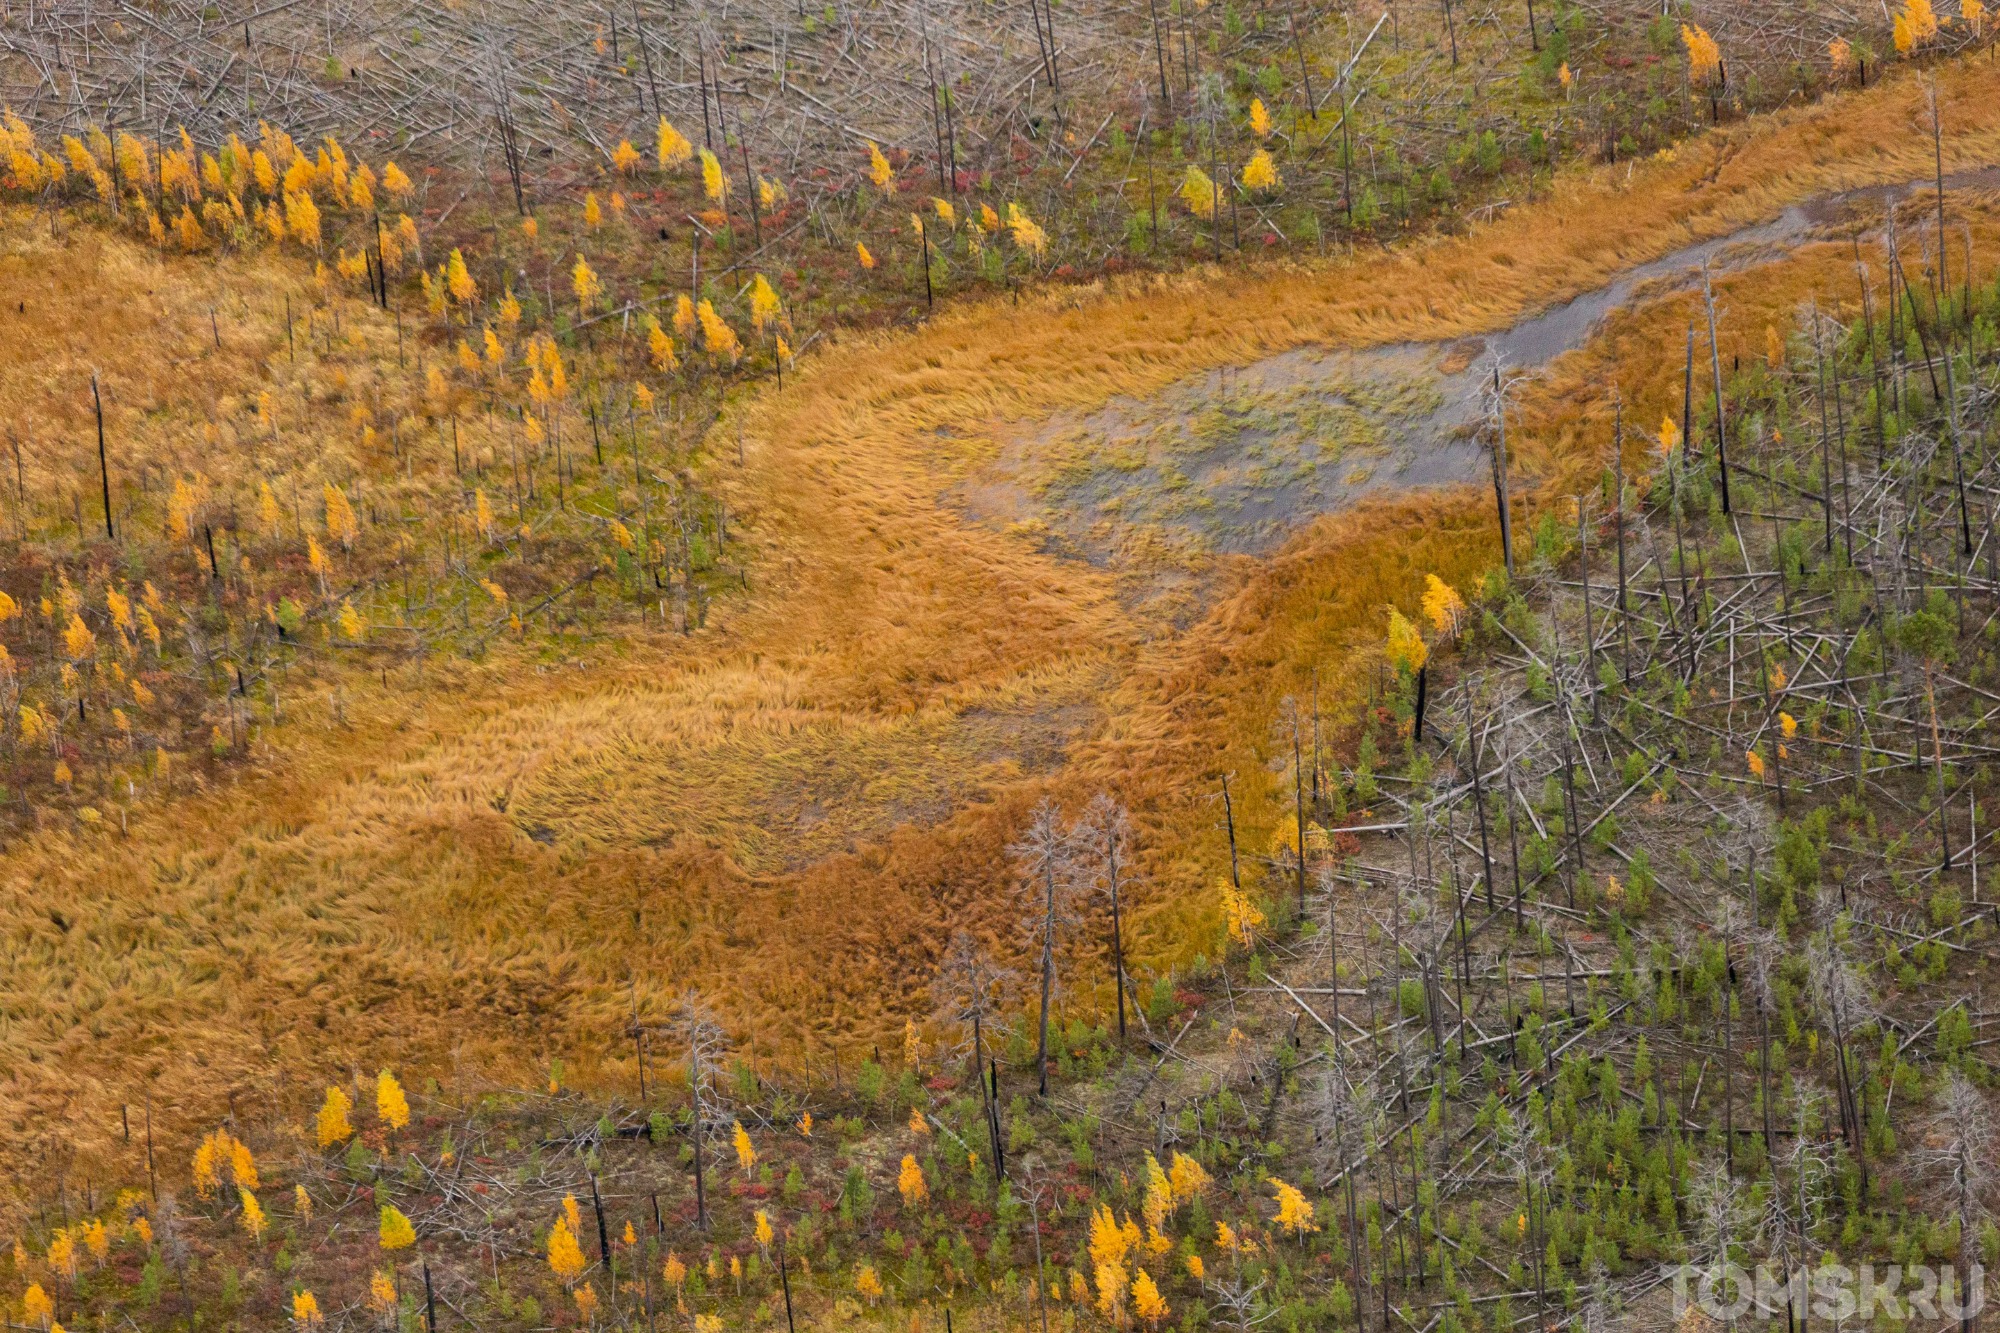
{"points": [[1224, 462]]}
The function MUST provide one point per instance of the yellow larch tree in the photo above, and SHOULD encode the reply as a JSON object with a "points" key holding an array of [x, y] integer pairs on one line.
{"points": [[391, 1106], [1295, 1211], [1240, 915], [1916, 25], [714, 184], [584, 282], [253, 1214], [716, 335], [1147, 1303], [458, 280], [565, 1255], [1443, 607], [61, 1255], [910, 1182], [341, 525], [1198, 192], [300, 176], [746, 1153], [1027, 233], [552, 364], [182, 503], [660, 347], [1260, 174], [79, 643], [1188, 1179], [332, 1125], [1159, 1194], [1704, 56], [879, 170], [1112, 1284], [672, 146], [120, 607], [765, 308], [302, 219], [221, 1156], [395, 1231], [1670, 437], [1108, 1241], [1406, 647]]}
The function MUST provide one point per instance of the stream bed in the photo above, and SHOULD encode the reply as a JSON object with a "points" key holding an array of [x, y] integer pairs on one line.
{"points": [[1233, 460]]}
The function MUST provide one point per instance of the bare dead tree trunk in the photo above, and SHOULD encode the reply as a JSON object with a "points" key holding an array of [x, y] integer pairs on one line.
{"points": [[1715, 368], [1500, 474]]}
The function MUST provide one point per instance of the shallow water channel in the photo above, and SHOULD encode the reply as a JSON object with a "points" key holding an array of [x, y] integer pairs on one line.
{"points": [[1233, 460]]}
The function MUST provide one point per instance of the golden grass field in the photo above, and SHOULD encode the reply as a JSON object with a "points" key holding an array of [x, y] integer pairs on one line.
{"points": [[482, 868]]}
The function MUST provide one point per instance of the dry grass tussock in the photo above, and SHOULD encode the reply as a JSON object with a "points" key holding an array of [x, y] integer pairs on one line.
{"points": [[476, 871], [85, 300]]}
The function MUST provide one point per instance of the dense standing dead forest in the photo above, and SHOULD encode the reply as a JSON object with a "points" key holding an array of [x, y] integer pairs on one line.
{"points": [[1183, 665]]}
